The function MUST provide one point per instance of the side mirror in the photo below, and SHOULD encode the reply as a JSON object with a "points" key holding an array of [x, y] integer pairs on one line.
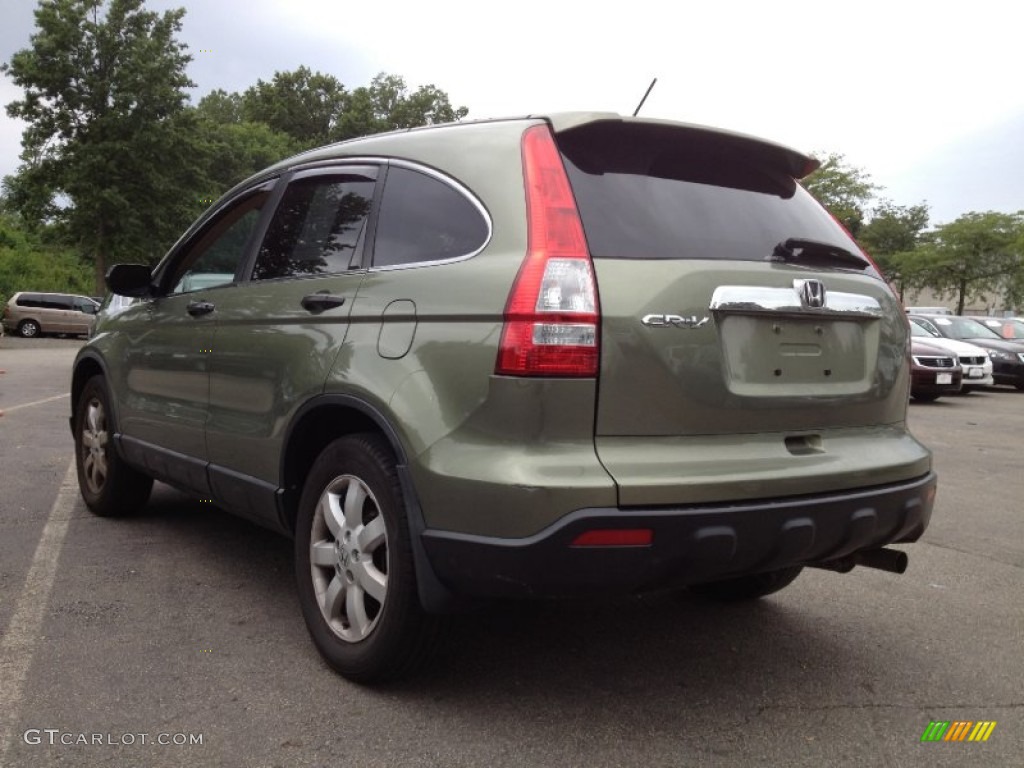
{"points": [[130, 280]]}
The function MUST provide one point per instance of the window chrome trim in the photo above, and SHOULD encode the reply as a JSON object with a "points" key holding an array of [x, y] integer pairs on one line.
{"points": [[761, 300], [337, 163], [426, 170]]}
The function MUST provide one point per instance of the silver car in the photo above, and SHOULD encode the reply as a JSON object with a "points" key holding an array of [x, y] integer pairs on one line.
{"points": [[33, 314]]}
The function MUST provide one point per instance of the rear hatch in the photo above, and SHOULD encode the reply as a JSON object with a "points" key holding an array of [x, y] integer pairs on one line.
{"points": [[749, 349]]}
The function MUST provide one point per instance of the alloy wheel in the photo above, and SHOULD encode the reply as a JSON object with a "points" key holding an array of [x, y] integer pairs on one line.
{"points": [[348, 556]]}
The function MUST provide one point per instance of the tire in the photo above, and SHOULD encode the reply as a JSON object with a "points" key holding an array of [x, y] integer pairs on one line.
{"points": [[354, 564], [749, 587], [109, 486], [28, 329], [926, 398]]}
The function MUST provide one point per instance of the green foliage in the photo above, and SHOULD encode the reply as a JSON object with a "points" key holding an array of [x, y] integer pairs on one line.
{"points": [[843, 189], [106, 153], [232, 151], [314, 109], [977, 257], [892, 237], [387, 105], [302, 104], [219, 106], [28, 263]]}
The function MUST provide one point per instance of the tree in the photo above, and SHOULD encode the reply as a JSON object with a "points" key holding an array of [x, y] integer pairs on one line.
{"points": [[892, 237], [108, 152], [975, 256], [302, 104], [219, 106], [30, 259], [387, 105], [843, 189], [1014, 290], [233, 147]]}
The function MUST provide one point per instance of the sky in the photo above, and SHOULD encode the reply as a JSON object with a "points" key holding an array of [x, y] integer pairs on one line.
{"points": [[926, 97]]}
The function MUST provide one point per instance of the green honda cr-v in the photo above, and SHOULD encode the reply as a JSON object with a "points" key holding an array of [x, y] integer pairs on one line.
{"points": [[547, 356]]}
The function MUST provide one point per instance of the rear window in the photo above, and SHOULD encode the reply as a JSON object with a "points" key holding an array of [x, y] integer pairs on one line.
{"points": [[663, 192], [29, 300]]}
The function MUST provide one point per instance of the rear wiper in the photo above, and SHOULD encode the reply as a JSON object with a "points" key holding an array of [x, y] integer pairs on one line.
{"points": [[803, 251]]}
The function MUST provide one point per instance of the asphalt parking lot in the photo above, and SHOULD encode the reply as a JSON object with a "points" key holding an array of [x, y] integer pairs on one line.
{"points": [[181, 626]]}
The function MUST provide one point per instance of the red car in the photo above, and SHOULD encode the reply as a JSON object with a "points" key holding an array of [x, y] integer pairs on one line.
{"points": [[933, 372]]}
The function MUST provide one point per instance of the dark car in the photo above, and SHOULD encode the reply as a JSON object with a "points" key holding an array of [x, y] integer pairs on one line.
{"points": [[534, 357], [934, 372], [1007, 356], [1008, 327]]}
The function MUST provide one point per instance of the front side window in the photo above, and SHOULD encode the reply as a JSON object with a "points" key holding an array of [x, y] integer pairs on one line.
{"points": [[424, 219], [317, 229], [214, 257]]}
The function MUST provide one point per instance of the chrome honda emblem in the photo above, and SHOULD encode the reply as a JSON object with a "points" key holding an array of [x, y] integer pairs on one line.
{"points": [[811, 292]]}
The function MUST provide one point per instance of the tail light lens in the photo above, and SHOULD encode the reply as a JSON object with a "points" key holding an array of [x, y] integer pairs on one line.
{"points": [[552, 315]]}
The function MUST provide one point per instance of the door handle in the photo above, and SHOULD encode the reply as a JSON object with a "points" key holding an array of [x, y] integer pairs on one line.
{"points": [[197, 308], [318, 302]]}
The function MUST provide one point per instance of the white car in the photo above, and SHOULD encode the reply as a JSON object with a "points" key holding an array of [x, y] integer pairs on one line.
{"points": [[974, 360]]}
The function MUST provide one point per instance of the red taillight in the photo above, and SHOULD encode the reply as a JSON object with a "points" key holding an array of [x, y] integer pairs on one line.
{"points": [[615, 537], [552, 314]]}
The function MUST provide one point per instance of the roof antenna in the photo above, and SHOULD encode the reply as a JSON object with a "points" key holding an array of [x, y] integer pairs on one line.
{"points": [[645, 96]]}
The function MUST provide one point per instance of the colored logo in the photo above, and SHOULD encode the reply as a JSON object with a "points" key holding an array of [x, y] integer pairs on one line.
{"points": [[958, 730]]}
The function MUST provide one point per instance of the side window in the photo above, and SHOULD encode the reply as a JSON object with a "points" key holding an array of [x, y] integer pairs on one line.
{"points": [[84, 305], [53, 301], [317, 229], [29, 300], [214, 256], [424, 219]]}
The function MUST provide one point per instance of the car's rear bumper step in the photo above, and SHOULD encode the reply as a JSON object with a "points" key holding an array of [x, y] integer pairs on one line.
{"points": [[687, 545]]}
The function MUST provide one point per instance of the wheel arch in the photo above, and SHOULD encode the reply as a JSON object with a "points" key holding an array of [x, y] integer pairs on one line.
{"points": [[316, 423], [86, 366], [325, 418]]}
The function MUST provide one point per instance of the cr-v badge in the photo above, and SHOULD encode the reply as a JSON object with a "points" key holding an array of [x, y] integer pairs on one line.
{"points": [[676, 321]]}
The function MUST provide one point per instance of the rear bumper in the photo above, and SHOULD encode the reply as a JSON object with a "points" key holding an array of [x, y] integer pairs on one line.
{"points": [[690, 545]]}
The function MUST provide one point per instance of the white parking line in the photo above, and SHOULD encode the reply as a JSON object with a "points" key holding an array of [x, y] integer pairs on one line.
{"points": [[18, 646], [29, 405]]}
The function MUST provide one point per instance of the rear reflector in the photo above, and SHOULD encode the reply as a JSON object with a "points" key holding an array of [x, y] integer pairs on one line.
{"points": [[615, 537], [552, 315]]}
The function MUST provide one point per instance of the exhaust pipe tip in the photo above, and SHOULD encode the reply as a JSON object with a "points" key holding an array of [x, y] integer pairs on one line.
{"points": [[891, 560]]}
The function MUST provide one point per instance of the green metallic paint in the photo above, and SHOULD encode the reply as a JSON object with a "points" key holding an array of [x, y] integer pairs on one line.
{"points": [[682, 415], [723, 468], [269, 355], [688, 381], [154, 351]]}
